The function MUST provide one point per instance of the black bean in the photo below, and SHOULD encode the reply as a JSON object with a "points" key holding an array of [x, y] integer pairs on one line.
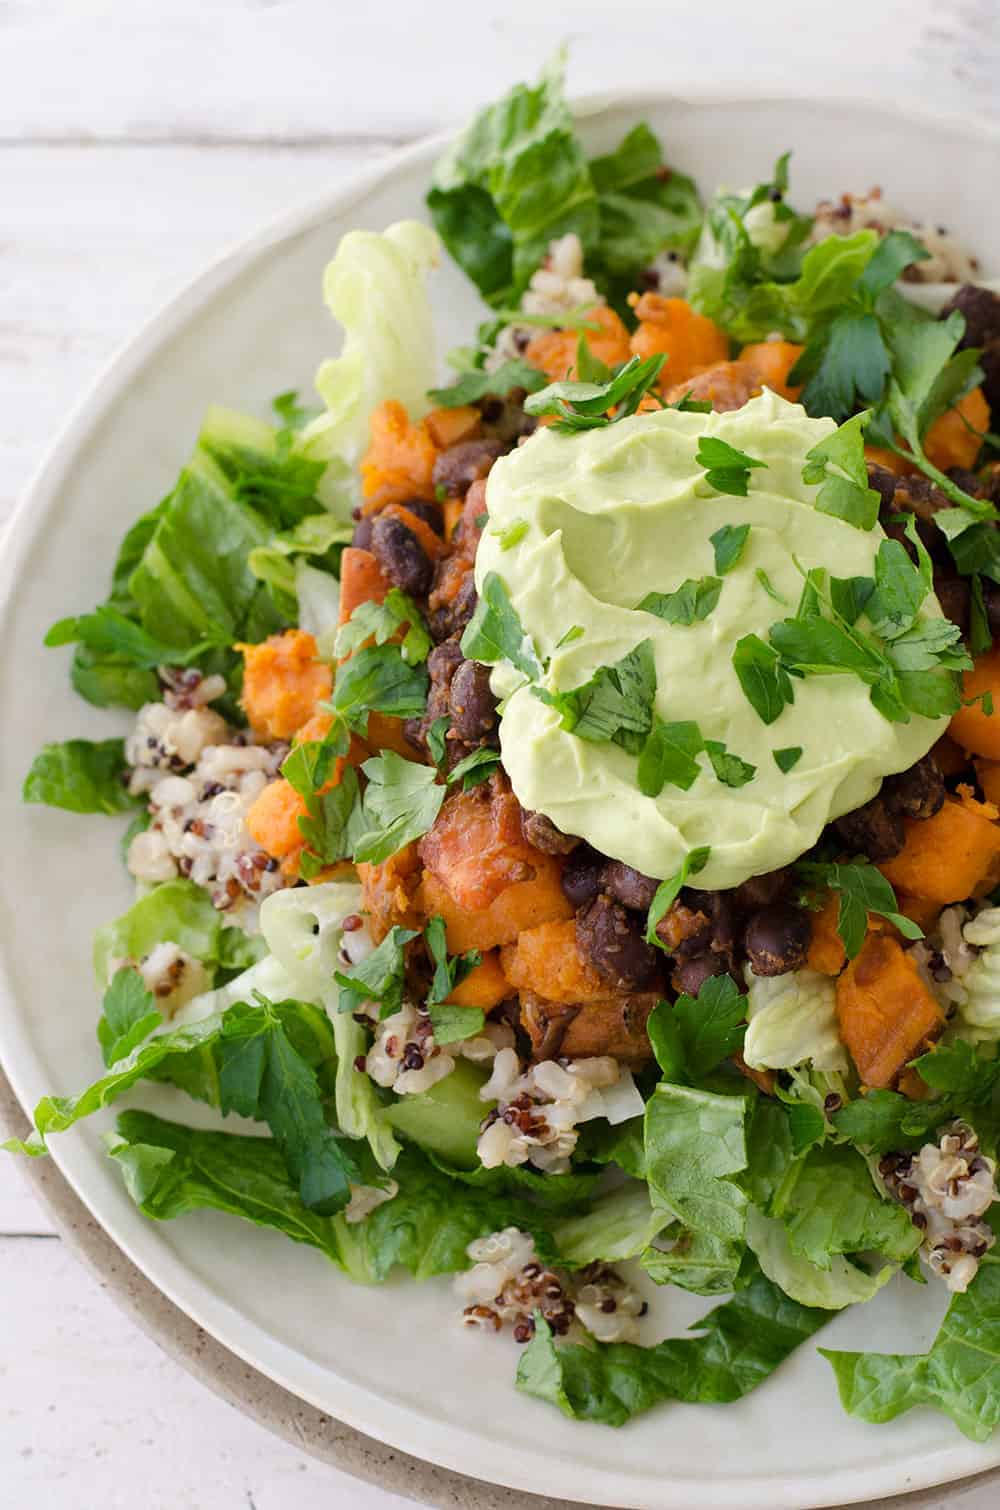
{"points": [[759, 891], [451, 617], [991, 598], [916, 793], [457, 468], [471, 703], [777, 939], [543, 834], [873, 830], [690, 975], [581, 877], [628, 886], [362, 537], [431, 513], [401, 556], [611, 938]]}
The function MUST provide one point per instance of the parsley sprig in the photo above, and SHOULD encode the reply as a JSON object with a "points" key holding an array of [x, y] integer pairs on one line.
{"points": [[592, 405], [727, 470], [909, 663], [862, 889]]}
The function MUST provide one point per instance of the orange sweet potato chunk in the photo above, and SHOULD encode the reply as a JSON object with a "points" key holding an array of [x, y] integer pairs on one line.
{"points": [[282, 683], [484, 987], [988, 773], [476, 848], [388, 890], [885, 1013], [954, 855], [973, 728], [399, 462], [826, 947], [955, 439], [725, 385], [273, 819], [546, 961], [362, 580], [449, 427], [523, 905], [554, 351], [690, 341], [772, 361]]}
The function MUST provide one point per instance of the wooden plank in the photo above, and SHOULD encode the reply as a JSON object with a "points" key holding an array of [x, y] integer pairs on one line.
{"points": [[94, 1414], [92, 242], [241, 69]]}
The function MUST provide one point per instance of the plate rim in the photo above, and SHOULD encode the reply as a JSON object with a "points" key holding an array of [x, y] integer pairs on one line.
{"points": [[452, 1444]]}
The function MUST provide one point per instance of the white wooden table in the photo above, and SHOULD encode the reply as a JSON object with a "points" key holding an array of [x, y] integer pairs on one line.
{"points": [[137, 139]]}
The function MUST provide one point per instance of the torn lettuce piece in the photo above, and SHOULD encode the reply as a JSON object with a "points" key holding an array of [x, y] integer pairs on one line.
{"points": [[375, 287], [959, 1375], [842, 1284], [739, 1345]]}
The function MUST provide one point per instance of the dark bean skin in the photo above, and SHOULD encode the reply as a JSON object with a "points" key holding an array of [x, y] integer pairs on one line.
{"points": [[777, 939], [954, 596], [611, 938], [431, 513], [457, 468], [401, 556], [872, 830], [581, 877], [916, 793], [759, 891], [991, 598], [718, 905], [691, 974], [451, 618], [543, 834], [362, 537], [472, 706], [628, 886], [442, 663]]}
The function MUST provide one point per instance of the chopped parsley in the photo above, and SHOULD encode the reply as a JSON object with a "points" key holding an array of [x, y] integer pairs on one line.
{"points": [[400, 804], [436, 737], [382, 622], [668, 758], [476, 768], [727, 470], [668, 891], [768, 585], [378, 977], [512, 535], [845, 493], [495, 633], [728, 544], [449, 972], [766, 684], [863, 889], [576, 632], [333, 819], [378, 680], [615, 704], [591, 406], [787, 758], [694, 600], [477, 384]]}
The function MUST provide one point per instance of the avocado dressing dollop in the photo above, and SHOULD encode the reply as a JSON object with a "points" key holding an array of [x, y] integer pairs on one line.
{"points": [[592, 522]]}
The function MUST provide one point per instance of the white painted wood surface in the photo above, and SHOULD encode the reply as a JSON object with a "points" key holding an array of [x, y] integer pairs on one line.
{"points": [[138, 138]]}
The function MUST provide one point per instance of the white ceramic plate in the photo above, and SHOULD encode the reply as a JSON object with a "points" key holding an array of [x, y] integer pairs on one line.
{"points": [[393, 1361]]}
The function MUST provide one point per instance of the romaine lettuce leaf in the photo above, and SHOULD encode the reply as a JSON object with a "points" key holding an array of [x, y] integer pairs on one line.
{"points": [[514, 179], [696, 1261], [837, 1284], [740, 1345], [792, 1021], [619, 1225], [81, 775], [303, 929], [375, 288], [181, 913], [695, 1145], [960, 1375], [829, 1205]]}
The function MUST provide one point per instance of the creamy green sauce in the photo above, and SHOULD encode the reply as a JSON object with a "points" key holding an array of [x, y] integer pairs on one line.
{"points": [[616, 513]]}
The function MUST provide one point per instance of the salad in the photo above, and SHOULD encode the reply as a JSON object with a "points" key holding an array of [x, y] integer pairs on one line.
{"points": [[563, 797]]}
